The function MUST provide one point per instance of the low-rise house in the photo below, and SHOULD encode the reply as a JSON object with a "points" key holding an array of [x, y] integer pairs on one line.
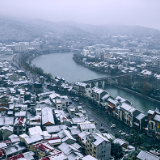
{"points": [[87, 127], [61, 118], [35, 130], [144, 155], [88, 157], [70, 151], [65, 101], [55, 156], [15, 149], [44, 95], [153, 124], [82, 138], [55, 129], [122, 142], [2, 122], [46, 135], [24, 156], [103, 101], [74, 130], [109, 136], [32, 139], [14, 138], [35, 121], [9, 121], [38, 111], [20, 125], [58, 104], [47, 117], [22, 136], [111, 105], [3, 145], [54, 141], [44, 149], [98, 93], [66, 136], [140, 120], [75, 121], [82, 88], [71, 111], [98, 146], [146, 73], [126, 113], [53, 96]]}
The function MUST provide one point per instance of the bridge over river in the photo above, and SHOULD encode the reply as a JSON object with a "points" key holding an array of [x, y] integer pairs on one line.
{"points": [[101, 82]]}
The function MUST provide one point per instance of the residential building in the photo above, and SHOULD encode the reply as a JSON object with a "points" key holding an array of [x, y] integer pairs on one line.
{"points": [[144, 155], [20, 125], [98, 146], [47, 117]]}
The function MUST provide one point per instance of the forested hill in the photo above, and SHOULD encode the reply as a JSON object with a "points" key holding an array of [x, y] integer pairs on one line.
{"points": [[27, 30]]}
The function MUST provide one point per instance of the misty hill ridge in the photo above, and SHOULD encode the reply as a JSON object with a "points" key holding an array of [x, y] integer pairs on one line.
{"points": [[13, 30]]}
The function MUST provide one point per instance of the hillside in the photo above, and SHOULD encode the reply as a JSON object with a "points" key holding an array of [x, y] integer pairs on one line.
{"points": [[27, 30]]}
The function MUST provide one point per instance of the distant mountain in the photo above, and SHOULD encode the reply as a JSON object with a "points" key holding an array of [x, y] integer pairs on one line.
{"points": [[27, 30], [114, 29], [12, 30]]}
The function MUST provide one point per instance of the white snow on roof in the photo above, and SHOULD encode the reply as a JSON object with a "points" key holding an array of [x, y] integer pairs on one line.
{"points": [[157, 118], [35, 130], [87, 126], [47, 116], [127, 107], [140, 116], [88, 157], [151, 112], [143, 155], [112, 101]]}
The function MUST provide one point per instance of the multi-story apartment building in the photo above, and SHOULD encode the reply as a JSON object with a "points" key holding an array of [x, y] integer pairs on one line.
{"points": [[98, 146]]}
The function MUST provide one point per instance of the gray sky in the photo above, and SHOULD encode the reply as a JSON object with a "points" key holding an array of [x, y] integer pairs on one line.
{"points": [[126, 12]]}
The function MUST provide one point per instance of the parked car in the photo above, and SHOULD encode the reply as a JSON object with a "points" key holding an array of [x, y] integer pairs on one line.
{"points": [[113, 126]]}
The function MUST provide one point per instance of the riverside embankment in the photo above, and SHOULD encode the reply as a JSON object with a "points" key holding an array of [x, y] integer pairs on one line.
{"points": [[62, 64]]}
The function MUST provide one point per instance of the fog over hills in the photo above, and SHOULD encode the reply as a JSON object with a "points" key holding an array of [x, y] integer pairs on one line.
{"points": [[27, 30]]}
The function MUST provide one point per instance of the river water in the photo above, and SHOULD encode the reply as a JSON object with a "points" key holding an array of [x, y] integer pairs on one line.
{"points": [[62, 65]]}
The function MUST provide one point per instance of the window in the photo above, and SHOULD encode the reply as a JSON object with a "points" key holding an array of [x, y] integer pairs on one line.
{"points": [[151, 125]]}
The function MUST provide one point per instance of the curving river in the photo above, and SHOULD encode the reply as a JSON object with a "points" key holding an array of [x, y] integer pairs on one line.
{"points": [[62, 65]]}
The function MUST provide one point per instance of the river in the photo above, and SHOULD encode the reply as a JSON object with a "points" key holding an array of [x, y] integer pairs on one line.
{"points": [[62, 65]]}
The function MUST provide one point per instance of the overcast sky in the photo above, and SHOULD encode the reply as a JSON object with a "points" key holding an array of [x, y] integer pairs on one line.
{"points": [[127, 12]]}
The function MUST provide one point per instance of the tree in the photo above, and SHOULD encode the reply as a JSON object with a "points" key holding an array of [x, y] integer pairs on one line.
{"points": [[146, 90], [117, 135], [116, 150]]}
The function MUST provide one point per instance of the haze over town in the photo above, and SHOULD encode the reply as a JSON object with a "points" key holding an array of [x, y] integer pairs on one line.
{"points": [[98, 12]]}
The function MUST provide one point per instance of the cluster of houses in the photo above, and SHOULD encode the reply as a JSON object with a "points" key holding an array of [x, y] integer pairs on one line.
{"points": [[120, 108], [43, 126], [49, 126], [118, 60]]}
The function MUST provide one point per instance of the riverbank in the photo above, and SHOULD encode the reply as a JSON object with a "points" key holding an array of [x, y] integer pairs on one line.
{"points": [[138, 94], [122, 88]]}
